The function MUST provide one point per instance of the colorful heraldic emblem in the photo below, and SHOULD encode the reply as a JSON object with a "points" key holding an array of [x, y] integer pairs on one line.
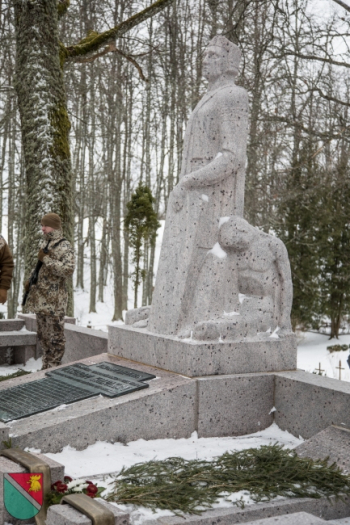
{"points": [[23, 494]]}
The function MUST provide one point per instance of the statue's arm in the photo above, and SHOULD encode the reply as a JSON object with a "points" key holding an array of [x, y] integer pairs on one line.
{"points": [[286, 285], [217, 170]]}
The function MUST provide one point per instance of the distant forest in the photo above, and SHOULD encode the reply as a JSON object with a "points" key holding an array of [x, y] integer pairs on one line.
{"points": [[128, 107]]}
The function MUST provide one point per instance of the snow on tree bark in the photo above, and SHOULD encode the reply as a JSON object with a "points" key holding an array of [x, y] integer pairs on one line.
{"points": [[44, 120]]}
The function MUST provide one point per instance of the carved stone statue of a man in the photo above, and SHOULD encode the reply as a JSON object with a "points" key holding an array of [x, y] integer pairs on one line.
{"points": [[219, 278], [211, 186]]}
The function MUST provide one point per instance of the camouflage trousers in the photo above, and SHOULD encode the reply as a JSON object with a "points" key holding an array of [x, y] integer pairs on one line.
{"points": [[50, 331]]}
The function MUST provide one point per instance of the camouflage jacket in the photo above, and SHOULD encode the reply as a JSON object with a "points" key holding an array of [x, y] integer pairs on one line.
{"points": [[6, 265], [49, 296]]}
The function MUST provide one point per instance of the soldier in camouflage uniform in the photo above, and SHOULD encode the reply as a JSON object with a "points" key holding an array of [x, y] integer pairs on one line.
{"points": [[48, 298], [6, 269]]}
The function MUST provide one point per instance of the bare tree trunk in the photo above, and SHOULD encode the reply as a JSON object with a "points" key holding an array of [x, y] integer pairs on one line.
{"points": [[115, 192], [103, 261], [11, 308], [127, 181], [81, 137], [92, 239]]}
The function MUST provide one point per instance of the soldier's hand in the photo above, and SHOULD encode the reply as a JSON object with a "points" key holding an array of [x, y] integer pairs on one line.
{"points": [[26, 285], [41, 255], [3, 296]]}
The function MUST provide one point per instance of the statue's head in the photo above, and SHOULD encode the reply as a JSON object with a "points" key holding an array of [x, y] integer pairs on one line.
{"points": [[221, 57], [236, 233]]}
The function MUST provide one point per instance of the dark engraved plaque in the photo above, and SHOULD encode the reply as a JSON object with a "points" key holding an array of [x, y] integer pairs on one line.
{"points": [[37, 396], [110, 369], [67, 385], [110, 386]]}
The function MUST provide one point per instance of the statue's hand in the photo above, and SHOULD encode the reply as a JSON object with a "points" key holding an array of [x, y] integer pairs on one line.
{"points": [[178, 197]]}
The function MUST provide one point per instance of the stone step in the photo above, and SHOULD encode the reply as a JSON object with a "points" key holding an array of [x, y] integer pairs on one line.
{"points": [[11, 325], [17, 347], [67, 515], [266, 513], [297, 518], [333, 442], [17, 339]]}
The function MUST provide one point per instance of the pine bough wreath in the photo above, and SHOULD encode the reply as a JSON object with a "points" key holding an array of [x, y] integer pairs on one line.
{"points": [[193, 486]]}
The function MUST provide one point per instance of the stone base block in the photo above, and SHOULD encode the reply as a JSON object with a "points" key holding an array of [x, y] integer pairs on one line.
{"points": [[67, 515], [7, 356], [297, 518], [8, 466], [322, 508], [82, 342], [17, 339], [23, 353], [167, 409], [9, 325], [235, 405], [197, 358], [333, 442], [308, 403]]}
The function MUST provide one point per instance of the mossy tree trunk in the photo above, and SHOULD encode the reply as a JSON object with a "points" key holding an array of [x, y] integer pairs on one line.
{"points": [[44, 121]]}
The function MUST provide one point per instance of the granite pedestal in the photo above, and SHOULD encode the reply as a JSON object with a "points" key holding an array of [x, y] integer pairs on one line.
{"points": [[197, 358]]}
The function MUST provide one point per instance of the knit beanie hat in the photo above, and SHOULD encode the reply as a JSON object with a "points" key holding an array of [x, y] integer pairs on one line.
{"points": [[53, 220]]}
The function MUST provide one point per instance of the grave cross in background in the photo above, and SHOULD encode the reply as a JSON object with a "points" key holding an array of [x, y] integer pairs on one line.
{"points": [[340, 369], [319, 369]]}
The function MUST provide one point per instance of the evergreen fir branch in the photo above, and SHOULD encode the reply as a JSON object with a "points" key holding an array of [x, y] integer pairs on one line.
{"points": [[184, 486]]}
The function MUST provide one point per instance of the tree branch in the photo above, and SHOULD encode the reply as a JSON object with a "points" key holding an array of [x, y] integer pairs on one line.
{"points": [[342, 4], [313, 57], [331, 99], [94, 41], [329, 135], [111, 48]]}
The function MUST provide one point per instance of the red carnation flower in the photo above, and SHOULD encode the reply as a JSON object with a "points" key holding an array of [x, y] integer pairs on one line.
{"points": [[91, 490], [59, 487]]}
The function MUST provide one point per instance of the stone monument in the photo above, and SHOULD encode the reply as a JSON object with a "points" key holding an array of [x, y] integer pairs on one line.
{"points": [[220, 280]]}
